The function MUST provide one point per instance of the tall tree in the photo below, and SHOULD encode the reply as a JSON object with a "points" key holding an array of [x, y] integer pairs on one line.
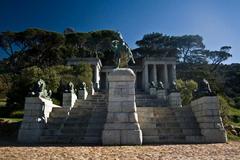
{"points": [[217, 57]]}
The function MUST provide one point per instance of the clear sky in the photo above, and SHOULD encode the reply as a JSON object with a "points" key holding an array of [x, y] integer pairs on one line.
{"points": [[217, 21]]}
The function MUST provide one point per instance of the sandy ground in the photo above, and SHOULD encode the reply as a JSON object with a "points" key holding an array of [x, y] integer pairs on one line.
{"points": [[229, 151]]}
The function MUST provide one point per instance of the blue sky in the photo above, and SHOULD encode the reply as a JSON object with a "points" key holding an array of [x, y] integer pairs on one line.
{"points": [[217, 21]]}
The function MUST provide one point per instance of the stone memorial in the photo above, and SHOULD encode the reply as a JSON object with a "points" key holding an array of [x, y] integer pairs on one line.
{"points": [[122, 127]]}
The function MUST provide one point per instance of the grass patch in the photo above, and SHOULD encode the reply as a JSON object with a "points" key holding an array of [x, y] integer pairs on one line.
{"points": [[234, 111], [3, 102], [233, 137], [11, 120], [17, 114]]}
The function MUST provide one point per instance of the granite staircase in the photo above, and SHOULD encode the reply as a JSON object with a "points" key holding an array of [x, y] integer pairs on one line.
{"points": [[145, 100], [162, 125], [83, 124]]}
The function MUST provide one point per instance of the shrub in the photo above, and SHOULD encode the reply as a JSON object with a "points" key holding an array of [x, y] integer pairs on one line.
{"points": [[186, 89], [224, 108]]}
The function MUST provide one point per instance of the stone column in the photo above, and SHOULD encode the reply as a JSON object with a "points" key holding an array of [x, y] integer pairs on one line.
{"points": [[173, 72], [165, 76], [122, 127], [146, 77], [155, 73]]}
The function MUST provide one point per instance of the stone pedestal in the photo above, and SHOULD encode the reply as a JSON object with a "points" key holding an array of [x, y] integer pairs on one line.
{"points": [[36, 113], [82, 94], [161, 94], [69, 100], [122, 127], [152, 91], [174, 99]]}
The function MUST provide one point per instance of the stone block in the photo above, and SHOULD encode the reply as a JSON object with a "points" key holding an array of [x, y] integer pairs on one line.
{"points": [[206, 125], [111, 137], [114, 106], [214, 135], [152, 91], [117, 117], [33, 100], [33, 106], [132, 117], [128, 106], [149, 132], [131, 137], [121, 126]]}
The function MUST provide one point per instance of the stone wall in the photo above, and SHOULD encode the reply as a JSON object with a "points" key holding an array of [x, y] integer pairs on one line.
{"points": [[122, 127], [206, 111], [36, 113]]}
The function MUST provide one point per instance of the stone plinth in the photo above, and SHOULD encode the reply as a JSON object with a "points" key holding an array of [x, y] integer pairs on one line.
{"points": [[174, 99], [152, 91], [82, 94], [36, 113], [206, 111], [122, 127], [69, 100], [161, 94]]}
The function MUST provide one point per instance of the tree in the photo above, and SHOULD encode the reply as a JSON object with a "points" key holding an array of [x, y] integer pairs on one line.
{"points": [[217, 57], [187, 45], [184, 46]]}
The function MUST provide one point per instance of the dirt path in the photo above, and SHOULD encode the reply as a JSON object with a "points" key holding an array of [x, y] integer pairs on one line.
{"points": [[229, 151]]}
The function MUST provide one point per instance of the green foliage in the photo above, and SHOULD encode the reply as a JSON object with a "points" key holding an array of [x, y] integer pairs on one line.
{"points": [[36, 47], [187, 48], [224, 108], [186, 89], [54, 77]]}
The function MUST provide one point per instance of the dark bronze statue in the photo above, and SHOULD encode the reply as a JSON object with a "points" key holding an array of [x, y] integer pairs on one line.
{"points": [[173, 87], [160, 85], [82, 86], [204, 89], [40, 90], [153, 85], [69, 88], [122, 53]]}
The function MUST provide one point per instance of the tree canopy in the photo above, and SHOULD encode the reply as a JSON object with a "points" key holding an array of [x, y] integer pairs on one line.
{"points": [[187, 48]]}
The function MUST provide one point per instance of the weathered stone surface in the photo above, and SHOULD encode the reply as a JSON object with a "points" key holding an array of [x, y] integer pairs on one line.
{"points": [[174, 99], [121, 127], [206, 110], [111, 137], [133, 137], [36, 113], [69, 99]]}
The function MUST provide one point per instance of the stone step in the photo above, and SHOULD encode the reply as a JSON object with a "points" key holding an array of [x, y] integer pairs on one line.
{"points": [[54, 120], [59, 112], [195, 139], [163, 139], [82, 131], [48, 132], [191, 132]]}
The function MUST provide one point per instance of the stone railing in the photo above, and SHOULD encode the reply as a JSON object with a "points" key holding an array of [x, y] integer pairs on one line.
{"points": [[36, 114], [206, 111]]}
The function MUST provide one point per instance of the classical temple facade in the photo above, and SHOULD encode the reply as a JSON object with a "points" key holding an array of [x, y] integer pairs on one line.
{"points": [[150, 69]]}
